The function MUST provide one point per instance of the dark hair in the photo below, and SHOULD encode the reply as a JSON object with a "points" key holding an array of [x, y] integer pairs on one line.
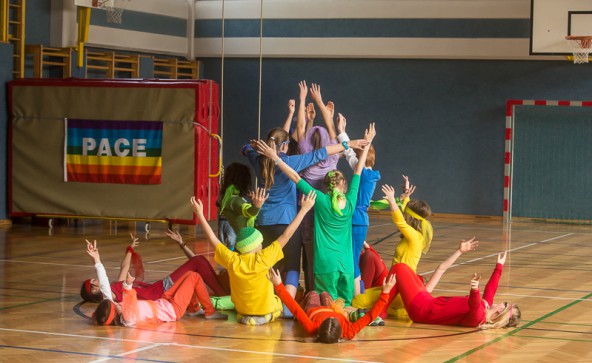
{"points": [[330, 331], [420, 208], [89, 295], [101, 314], [316, 139], [236, 174]]}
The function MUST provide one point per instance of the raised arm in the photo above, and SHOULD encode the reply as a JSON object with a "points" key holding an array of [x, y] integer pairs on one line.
{"points": [[310, 116], [93, 252], [315, 92], [368, 136], [127, 259], [301, 116], [307, 202], [197, 207], [464, 246], [288, 122], [350, 154]]}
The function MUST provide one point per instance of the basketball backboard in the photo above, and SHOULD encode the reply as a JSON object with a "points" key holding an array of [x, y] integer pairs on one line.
{"points": [[552, 20]]}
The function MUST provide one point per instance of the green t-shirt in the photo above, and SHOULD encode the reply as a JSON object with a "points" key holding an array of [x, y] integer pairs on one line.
{"points": [[332, 232]]}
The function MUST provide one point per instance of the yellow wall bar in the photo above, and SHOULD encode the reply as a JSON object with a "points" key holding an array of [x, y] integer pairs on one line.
{"points": [[4, 21], [83, 26]]}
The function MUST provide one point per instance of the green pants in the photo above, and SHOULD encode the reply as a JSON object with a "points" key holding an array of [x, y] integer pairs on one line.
{"points": [[338, 284]]}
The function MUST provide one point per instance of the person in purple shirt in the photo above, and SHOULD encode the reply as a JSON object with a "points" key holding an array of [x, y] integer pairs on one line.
{"points": [[280, 208]]}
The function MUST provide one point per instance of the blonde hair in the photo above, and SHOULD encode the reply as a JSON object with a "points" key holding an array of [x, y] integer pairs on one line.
{"points": [[277, 136], [507, 318], [333, 178]]}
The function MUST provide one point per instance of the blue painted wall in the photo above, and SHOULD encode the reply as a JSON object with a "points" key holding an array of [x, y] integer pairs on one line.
{"points": [[441, 122]]}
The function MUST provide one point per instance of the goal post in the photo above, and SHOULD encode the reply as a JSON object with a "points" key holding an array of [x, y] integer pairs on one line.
{"points": [[548, 161]]}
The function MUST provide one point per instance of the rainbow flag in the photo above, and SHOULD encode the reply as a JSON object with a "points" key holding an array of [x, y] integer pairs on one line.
{"points": [[123, 152]]}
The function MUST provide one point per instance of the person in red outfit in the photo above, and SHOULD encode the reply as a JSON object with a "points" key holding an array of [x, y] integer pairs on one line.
{"points": [[372, 267], [321, 317], [471, 311]]}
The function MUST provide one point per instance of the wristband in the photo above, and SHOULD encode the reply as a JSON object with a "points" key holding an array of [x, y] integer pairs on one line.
{"points": [[277, 161], [345, 145], [130, 249]]}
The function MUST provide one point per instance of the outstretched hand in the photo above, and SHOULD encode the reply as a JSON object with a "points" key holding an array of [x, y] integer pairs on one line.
{"points": [[370, 133], [310, 112], [315, 93], [274, 276], [341, 123], [266, 150], [475, 281], [259, 197], [357, 144], [308, 201], [175, 236], [388, 283], [303, 90], [135, 241], [93, 251], [291, 106], [501, 258], [197, 206], [469, 245], [389, 194]]}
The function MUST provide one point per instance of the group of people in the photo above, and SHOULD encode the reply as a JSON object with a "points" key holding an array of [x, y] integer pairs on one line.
{"points": [[303, 216]]}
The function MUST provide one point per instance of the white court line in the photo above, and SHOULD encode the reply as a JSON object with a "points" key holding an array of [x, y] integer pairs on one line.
{"points": [[183, 345], [177, 258], [495, 254], [127, 353]]}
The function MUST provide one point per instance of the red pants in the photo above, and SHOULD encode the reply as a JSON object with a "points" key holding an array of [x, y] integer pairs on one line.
{"points": [[203, 267], [409, 284], [372, 268], [187, 293]]}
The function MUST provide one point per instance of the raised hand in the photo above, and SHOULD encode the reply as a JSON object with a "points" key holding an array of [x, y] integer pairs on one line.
{"points": [[388, 283], [135, 241], [331, 108], [310, 112], [274, 276], [341, 123], [407, 192], [370, 133], [475, 282], [259, 197], [93, 251], [175, 236], [469, 245], [197, 206], [266, 150], [315, 93], [291, 106], [357, 144], [308, 201], [501, 258], [303, 90], [389, 194]]}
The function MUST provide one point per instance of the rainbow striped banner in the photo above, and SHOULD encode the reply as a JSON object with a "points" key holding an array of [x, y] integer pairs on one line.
{"points": [[103, 151]]}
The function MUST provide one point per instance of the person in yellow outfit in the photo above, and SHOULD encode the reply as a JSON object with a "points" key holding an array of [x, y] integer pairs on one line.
{"points": [[250, 290]]}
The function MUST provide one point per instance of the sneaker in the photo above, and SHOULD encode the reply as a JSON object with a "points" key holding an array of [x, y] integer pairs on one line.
{"points": [[200, 312], [357, 314], [377, 322], [255, 319], [217, 315]]}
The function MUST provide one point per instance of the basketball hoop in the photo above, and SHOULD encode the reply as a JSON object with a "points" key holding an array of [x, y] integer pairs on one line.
{"points": [[580, 47], [113, 8]]}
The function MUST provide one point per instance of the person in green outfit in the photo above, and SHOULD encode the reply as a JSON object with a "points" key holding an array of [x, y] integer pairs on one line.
{"points": [[333, 263]]}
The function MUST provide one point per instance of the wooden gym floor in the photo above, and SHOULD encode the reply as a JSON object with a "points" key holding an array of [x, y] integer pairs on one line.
{"points": [[547, 274]]}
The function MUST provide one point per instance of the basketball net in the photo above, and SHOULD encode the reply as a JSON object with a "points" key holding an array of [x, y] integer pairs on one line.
{"points": [[114, 9], [580, 47]]}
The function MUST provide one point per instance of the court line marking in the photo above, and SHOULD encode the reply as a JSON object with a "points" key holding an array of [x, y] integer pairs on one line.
{"points": [[183, 345], [76, 353], [127, 353], [517, 330]]}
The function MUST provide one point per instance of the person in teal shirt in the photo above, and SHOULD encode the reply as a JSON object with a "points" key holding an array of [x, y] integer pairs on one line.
{"points": [[333, 263]]}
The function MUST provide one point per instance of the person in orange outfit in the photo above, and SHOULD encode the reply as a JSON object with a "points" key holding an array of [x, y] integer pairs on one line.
{"points": [[322, 317]]}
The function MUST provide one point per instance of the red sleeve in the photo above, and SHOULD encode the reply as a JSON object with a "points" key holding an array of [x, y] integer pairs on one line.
{"points": [[355, 328], [491, 287], [476, 313], [310, 326], [129, 307]]}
